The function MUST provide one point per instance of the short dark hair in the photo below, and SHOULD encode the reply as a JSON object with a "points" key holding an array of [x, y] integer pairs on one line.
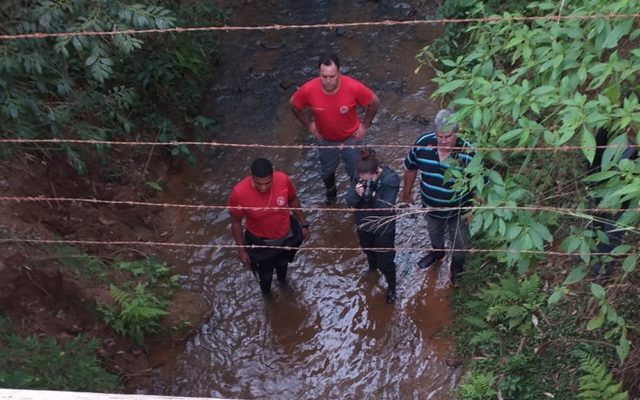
{"points": [[261, 168], [328, 60], [368, 162]]}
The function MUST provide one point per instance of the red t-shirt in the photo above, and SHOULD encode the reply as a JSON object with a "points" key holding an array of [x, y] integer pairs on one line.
{"points": [[266, 224], [335, 114]]}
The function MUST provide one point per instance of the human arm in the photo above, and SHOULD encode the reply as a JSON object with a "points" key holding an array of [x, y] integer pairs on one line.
{"points": [[354, 195], [296, 208], [236, 231], [370, 113], [407, 185], [388, 192], [304, 119]]}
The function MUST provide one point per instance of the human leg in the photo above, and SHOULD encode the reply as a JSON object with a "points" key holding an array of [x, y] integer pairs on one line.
{"points": [[435, 227], [459, 235], [366, 240], [265, 274], [385, 239], [329, 158], [282, 266], [350, 156], [607, 224]]}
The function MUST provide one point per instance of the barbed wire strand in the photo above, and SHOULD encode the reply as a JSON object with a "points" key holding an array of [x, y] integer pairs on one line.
{"points": [[332, 25], [399, 209], [306, 146], [302, 248]]}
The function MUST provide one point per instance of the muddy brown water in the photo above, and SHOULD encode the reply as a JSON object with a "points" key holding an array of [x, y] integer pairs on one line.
{"points": [[332, 335]]}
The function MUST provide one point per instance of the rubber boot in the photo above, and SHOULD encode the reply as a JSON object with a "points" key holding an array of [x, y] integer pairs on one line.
{"points": [[332, 191]]}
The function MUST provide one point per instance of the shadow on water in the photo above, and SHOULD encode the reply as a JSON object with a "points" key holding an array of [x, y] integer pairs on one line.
{"points": [[331, 334]]}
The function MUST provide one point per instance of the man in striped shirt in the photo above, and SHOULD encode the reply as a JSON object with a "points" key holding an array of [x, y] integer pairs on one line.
{"points": [[433, 154]]}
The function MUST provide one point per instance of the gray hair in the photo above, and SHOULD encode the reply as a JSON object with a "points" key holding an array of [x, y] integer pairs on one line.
{"points": [[443, 121]]}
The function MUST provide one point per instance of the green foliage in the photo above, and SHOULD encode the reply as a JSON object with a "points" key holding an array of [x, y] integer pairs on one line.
{"points": [[530, 360], [100, 87], [512, 303], [154, 185], [138, 310], [32, 363], [136, 314], [89, 266], [545, 83], [597, 383], [453, 39], [479, 386], [150, 269]]}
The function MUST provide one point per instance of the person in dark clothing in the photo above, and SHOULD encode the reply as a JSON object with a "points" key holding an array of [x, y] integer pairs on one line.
{"points": [[265, 200], [374, 194], [606, 221]]}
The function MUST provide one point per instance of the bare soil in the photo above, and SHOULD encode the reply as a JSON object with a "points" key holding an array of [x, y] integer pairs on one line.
{"points": [[45, 298]]}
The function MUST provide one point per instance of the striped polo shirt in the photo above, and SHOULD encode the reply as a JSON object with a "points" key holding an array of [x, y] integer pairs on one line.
{"points": [[435, 192]]}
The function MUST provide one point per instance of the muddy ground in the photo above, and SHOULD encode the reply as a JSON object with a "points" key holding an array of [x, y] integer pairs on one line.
{"points": [[45, 298]]}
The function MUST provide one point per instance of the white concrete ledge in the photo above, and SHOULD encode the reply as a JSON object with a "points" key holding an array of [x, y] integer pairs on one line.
{"points": [[11, 394]]}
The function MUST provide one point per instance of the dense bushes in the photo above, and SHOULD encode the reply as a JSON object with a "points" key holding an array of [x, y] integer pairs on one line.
{"points": [[102, 87], [551, 84]]}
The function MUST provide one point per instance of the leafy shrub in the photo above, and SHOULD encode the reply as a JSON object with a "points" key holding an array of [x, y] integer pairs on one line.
{"points": [[478, 386], [101, 87], [91, 267], [597, 383], [137, 312], [31, 363]]}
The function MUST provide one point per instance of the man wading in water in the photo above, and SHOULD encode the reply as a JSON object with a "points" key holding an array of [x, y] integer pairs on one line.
{"points": [[264, 200]]}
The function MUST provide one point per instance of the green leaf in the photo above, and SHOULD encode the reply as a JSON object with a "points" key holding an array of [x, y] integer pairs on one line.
{"points": [[571, 243], [452, 86], [542, 230], [476, 120], [576, 275], [513, 231], [613, 152], [543, 90], [556, 295], [464, 102], [621, 249], [617, 33], [597, 291], [601, 176], [597, 321], [623, 347], [588, 143], [629, 264], [476, 224]]}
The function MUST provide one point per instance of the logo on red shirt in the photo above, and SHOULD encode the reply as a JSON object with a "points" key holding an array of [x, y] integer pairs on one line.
{"points": [[281, 201], [344, 110]]}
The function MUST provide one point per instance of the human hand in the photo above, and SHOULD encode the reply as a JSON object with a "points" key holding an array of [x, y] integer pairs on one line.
{"points": [[359, 188], [305, 234], [244, 256], [360, 132], [313, 129]]}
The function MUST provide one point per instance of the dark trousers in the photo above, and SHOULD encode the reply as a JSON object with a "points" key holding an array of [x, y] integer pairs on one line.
{"points": [[607, 224], [330, 157], [384, 260], [265, 271], [458, 231]]}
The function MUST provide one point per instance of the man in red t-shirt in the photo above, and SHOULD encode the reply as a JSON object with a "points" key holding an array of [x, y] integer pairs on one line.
{"points": [[332, 99], [265, 200]]}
